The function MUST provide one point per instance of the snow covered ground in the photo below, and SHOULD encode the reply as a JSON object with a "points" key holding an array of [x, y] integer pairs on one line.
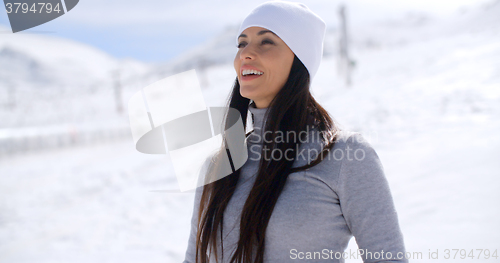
{"points": [[429, 102]]}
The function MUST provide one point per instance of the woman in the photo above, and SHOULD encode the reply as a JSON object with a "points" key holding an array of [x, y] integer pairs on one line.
{"points": [[306, 187]]}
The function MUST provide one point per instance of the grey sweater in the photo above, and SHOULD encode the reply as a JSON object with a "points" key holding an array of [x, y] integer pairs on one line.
{"points": [[319, 209]]}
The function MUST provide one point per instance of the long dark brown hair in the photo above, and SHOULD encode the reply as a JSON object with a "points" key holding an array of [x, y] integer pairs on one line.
{"points": [[292, 109]]}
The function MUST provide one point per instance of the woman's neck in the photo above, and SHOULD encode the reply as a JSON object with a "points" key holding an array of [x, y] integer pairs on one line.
{"points": [[253, 104]]}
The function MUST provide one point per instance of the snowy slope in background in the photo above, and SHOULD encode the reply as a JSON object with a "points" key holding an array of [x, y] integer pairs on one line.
{"points": [[485, 17], [46, 80], [61, 59]]}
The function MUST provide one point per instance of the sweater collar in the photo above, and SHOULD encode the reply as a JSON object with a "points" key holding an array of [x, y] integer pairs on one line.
{"points": [[259, 120]]}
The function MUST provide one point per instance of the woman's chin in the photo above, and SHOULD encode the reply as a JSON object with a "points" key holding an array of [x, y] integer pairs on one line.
{"points": [[248, 92]]}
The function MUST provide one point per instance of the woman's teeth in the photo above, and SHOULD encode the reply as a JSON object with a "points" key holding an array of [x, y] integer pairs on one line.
{"points": [[251, 71]]}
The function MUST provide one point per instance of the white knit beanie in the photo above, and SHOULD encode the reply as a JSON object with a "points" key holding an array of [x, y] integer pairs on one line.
{"points": [[301, 29]]}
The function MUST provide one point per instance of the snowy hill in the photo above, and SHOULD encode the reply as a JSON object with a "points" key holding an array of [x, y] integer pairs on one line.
{"points": [[46, 80], [60, 61]]}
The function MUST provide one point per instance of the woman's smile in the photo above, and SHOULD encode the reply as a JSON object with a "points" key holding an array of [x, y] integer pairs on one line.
{"points": [[248, 73], [249, 77]]}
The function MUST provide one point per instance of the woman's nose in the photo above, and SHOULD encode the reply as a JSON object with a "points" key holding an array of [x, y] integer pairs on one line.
{"points": [[248, 52]]}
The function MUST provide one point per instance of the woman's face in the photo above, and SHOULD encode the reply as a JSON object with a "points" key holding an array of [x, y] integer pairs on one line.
{"points": [[261, 51]]}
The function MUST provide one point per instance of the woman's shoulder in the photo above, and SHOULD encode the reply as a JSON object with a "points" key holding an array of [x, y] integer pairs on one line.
{"points": [[351, 155], [352, 140], [345, 140]]}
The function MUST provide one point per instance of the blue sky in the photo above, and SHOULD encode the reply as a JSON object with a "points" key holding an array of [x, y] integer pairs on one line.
{"points": [[159, 30]]}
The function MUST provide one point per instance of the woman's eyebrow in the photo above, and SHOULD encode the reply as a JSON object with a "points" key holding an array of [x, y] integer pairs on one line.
{"points": [[260, 33]]}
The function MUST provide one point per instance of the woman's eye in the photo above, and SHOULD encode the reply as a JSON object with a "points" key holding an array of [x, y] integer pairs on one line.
{"points": [[265, 41]]}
